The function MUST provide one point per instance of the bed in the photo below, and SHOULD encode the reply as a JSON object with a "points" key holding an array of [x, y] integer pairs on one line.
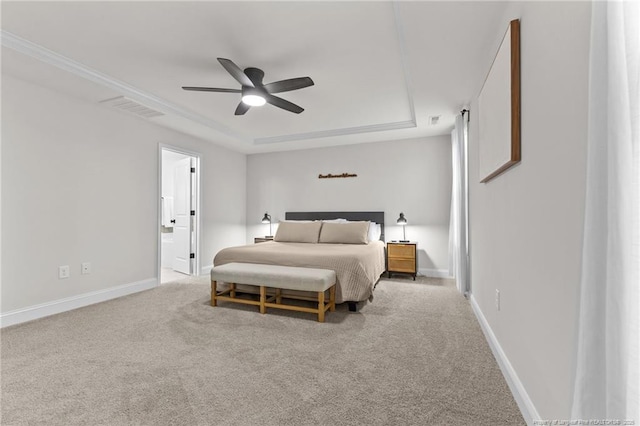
{"points": [[358, 267]]}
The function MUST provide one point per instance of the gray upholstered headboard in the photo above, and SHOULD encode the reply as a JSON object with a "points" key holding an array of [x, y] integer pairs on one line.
{"points": [[377, 217]]}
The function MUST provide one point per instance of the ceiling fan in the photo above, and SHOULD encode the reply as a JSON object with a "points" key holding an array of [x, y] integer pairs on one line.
{"points": [[254, 92]]}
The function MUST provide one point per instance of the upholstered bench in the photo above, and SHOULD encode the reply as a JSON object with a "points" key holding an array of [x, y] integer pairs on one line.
{"points": [[279, 278]]}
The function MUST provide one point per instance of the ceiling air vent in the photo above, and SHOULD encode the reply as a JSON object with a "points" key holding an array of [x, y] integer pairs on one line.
{"points": [[133, 107], [433, 120]]}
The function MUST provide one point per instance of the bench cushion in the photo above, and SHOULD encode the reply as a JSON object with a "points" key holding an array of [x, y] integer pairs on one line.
{"points": [[276, 276]]}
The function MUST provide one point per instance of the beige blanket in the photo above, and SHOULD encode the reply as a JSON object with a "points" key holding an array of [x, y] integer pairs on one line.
{"points": [[358, 266]]}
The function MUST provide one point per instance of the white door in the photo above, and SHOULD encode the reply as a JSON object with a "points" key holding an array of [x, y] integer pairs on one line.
{"points": [[182, 214]]}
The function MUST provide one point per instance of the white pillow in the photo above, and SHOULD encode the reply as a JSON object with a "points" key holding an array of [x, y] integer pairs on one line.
{"points": [[375, 230], [336, 221]]}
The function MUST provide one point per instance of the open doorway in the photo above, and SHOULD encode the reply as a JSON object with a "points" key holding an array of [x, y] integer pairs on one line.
{"points": [[178, 214]]}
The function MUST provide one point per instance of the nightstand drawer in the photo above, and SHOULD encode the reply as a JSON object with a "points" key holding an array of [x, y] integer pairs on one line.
{"points": [[402, 250], [402, 265], [402, 258]]}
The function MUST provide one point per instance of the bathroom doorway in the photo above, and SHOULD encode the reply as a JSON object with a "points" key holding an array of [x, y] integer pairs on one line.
{"points": [[178, 214]]}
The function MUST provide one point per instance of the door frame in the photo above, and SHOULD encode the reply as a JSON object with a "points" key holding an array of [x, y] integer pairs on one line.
{"points": [[197, 190]]}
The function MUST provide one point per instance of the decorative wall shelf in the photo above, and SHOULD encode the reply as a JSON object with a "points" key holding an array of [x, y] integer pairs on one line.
{"points": [[331, 176]]}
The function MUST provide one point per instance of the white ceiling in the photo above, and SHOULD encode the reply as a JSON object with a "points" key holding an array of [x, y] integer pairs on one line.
{"points": [[380, 69]]}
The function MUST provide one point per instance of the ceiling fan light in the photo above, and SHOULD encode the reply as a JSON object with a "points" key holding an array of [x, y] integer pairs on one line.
{"points": [[254, 100]]}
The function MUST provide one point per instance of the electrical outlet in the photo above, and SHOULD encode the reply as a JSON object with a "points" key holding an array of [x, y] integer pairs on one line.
{"points": [[86, 268], [497, 300], [63, 272]]}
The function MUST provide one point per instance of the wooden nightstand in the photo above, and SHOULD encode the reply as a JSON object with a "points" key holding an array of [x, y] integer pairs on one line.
{"points": [[261, 239], [402, 259]]}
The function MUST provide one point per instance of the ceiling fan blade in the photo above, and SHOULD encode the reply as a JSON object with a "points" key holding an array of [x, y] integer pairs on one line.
{"points": [[242, 108], [212, 89], [235, 72], [281, 103], [287, 85]]}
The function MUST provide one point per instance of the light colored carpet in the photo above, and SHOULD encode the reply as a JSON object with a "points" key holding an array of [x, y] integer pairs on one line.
{"points": [[168, 275], [415, 356]]}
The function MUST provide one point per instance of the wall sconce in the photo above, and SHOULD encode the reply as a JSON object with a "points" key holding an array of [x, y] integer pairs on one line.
{"points": [[402, 221], [267, 219]]}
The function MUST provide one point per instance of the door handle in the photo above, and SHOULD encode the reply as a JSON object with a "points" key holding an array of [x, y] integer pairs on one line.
{"points": [[172, 221]]}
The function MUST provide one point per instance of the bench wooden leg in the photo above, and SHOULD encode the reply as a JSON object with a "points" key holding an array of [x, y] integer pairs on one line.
{"points": [[214, 301], [332, 299], [278, 296], [232, 287], [263, 299], [321, 306]]}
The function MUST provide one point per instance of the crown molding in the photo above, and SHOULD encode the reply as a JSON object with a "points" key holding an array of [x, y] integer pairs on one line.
{"points": [[50, 57]]}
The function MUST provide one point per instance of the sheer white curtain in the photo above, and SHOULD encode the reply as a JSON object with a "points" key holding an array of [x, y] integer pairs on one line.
{"points": [[607, 381], [458, 219]]}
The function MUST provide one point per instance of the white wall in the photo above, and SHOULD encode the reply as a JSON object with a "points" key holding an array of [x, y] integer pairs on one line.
{"points": [[410, 176], [526, 225], [80, 183]]}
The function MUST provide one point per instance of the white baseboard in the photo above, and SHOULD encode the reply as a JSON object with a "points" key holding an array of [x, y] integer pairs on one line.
{"points": [[206, 270], [31, 313], [520, 394], [434, 273]]}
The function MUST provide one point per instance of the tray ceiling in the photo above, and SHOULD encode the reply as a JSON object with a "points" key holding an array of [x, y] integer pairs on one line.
{"points": [[380, 69]]}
